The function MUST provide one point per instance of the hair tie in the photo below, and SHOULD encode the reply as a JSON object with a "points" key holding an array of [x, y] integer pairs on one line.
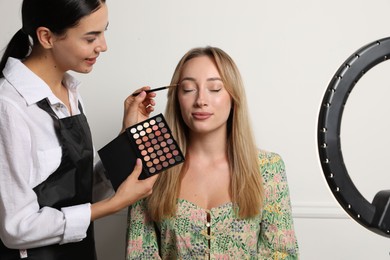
{"points": [[30, 40]]}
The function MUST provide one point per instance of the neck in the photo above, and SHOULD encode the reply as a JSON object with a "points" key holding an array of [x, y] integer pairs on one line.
{"points": [[211, 145], [44, 67]]}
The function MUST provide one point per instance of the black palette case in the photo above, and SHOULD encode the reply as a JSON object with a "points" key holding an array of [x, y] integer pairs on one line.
{"points": [[151, 141]]}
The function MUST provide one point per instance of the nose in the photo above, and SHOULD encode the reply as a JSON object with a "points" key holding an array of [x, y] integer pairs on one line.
{"points": [[102, 45], [201, 98]]}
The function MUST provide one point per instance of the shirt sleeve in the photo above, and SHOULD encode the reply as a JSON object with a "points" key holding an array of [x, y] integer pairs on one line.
{"points": [[141, 234], [23, 224], [277, 236]]}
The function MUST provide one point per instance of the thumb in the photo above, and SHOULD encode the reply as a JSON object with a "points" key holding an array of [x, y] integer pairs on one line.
{"points": [[140, 97], [137, 169]]}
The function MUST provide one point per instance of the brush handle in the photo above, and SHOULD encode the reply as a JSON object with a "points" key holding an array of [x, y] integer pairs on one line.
{"points": [[153, 90]]}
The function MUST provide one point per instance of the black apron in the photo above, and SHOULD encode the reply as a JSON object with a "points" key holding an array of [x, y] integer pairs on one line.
{"points": [[71, 184]]}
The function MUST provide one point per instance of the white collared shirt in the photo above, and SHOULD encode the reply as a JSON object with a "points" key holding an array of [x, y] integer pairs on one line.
{"points": [[29, 153]]}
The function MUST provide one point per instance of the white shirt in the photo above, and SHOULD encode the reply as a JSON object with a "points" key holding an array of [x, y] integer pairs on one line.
{"points": [[29, 153]]}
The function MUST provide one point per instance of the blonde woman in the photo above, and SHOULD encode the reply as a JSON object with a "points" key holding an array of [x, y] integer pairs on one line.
{"points": [[228, 200]]}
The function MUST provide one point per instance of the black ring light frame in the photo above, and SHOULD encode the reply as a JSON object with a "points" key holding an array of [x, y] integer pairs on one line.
{"points": [[374, 216]]}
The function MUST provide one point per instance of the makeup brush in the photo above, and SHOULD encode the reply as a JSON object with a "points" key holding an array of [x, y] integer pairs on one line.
{"points": [[155, 89]]}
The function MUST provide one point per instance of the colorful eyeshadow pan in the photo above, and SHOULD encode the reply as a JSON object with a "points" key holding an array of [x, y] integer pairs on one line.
{"points": [[159, 135], [151, 141]]}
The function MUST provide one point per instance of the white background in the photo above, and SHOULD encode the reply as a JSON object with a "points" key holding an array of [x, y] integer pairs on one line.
{"points": [[287, 52]]}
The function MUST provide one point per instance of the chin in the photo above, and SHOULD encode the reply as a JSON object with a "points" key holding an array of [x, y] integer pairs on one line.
{"points": [[199, 130], [84, 70], [87, 71]]}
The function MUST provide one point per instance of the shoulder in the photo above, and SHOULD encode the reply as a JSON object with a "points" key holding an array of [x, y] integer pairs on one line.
{"points": [[138, 206], [10, 99], [271, 165], [269, 159], [14, 107]]}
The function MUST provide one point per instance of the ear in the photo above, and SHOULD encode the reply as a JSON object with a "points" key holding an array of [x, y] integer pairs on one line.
{"points": [[45, 37]]}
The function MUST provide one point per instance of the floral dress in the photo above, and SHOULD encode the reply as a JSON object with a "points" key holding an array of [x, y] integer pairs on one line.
{"points": [[197, 233]]}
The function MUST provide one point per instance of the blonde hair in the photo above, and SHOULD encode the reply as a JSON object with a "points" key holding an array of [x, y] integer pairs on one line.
{"points": [[246, 183]]}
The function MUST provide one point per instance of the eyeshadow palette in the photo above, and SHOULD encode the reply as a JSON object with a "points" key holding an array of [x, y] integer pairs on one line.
{"points": [[151, 141]]}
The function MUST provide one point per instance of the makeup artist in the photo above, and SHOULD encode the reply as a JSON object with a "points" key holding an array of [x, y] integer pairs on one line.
{"points": [[229, 200], [47, 176]]}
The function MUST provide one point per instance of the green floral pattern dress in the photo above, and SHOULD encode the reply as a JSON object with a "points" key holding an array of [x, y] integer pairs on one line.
{"points": [[190, 235]]}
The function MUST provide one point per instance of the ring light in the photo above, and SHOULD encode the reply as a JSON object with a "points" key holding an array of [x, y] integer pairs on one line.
{"points": [[374, 216]]}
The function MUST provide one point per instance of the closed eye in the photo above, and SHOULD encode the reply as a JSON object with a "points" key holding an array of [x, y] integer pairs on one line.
{"points": [[188, 90], [188, 86], [91, 40]]}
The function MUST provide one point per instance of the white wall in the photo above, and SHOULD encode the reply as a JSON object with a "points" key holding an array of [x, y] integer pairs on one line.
{"points": [[287, 52]]}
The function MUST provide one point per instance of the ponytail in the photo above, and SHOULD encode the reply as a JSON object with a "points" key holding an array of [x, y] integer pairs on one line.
{"points": [[18, 47]]}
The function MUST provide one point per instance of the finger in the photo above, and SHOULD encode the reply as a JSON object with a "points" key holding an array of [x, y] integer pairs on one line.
{"points": [[140, 97], [149, 109], [138, 91], [148, 102], [134, 102], [153, 178], [149, 182], [152, 94]]}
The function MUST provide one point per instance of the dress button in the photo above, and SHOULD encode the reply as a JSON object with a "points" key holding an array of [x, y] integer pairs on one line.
{"points": [[208, 224]]}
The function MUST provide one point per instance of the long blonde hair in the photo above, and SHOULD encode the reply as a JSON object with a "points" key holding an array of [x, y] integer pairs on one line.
{"points": [[246, 183]]}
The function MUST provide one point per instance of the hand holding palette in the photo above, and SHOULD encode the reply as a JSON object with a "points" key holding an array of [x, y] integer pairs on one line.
{"points": [[150, 140]]}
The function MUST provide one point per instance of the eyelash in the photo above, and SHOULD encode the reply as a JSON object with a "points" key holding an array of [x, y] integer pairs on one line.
{"points": [[212, 90], [91, 40]]}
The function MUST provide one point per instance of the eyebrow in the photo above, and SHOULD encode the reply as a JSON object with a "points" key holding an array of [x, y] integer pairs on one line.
{"points": [[214, 79], [96, 32], [209, 79]]}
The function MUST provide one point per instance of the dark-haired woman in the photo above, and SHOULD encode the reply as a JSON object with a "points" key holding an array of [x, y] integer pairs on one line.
{"points": [[46, 152]]}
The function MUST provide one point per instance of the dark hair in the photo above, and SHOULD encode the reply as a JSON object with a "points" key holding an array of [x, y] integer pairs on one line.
{"points": [[56, 15]]}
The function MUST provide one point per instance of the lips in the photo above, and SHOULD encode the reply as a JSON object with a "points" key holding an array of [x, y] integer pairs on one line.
{"points": [[201, 115], [91, 61]]}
